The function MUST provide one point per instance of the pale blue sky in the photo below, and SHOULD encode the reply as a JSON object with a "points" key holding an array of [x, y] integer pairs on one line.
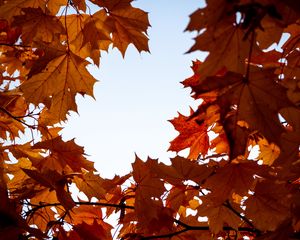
{"points": [[137, 95]]}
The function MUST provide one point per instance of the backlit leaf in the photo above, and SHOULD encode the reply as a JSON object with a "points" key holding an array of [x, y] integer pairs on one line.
{"points": [[61, 80]]}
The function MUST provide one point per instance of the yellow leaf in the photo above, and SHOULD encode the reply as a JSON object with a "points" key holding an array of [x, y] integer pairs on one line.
{"points": [[268, 152], [237, 198], [194, 203], [243, 124]]}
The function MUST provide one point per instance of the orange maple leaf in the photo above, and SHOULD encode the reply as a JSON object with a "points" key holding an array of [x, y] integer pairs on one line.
{"points": [[192, 134], [60, 81], [36, 25]]}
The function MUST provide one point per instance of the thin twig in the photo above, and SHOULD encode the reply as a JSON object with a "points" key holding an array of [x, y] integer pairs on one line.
{"points": [[168, 235], [16, 118], [229, 206], [212, 156], [38, 206], [185, 226], [14, 45]]}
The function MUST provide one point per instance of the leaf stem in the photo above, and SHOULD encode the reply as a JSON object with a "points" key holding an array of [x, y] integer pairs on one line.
{"points": [[249, 56]]}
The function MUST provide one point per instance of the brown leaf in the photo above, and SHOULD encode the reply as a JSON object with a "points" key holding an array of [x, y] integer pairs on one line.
{"points": [[148, 204], [97, 231], [13, 8], [181, 170], [218, 216], [234, 177], [62, 154], [36, 25], [227, 49], [272, 215], [256, 100], [53, 181]]}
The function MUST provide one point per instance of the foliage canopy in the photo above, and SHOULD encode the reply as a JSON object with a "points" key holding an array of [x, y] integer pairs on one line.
{"points": [[250, 100]]}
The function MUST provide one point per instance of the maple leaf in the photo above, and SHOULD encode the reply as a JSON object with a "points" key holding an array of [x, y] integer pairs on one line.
{"points": [[273, 23], [62, 154], [149, 189], [129, 25], [192, 134], [235, 177], [12, 8], [220, 144], [36, 25], [46, 52], [43, 218], [79, 4], [203, 17], [178, 199], [87, 214], [182, 169], [291, 73], [227, 49], [193, 80], [218, 215], [63, 77], [9, 34], [19, 176], [87, 34], [148, 185], [91, 185], [268, 152], [113, 4], [95, 32], [10, 127], [267, 59], [250, 98], [53, 180], [283, 232], [54, 6], [272, 214], [13, 107], [97, 231], [289, 154], [258, 100]]}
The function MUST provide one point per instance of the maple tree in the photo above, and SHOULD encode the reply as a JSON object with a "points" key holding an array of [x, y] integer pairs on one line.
{"points": [[250, 96]]}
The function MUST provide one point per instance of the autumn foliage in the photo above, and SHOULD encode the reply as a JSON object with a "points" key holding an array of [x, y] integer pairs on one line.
{"points": [[241, 177]]}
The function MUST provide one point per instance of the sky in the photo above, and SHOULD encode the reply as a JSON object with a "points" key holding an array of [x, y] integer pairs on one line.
{"points": [[138, 94]]}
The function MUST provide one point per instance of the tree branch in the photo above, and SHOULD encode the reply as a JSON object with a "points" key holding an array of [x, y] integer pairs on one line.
{"points": [[185, 226], [36, 207], [246, 220], [197, 228], [18, 118], [168, 235], [212, 156], [14, 45]]}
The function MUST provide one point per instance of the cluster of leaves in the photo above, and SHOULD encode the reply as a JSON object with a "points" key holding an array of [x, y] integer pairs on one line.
{"points": [[250, 100]]}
